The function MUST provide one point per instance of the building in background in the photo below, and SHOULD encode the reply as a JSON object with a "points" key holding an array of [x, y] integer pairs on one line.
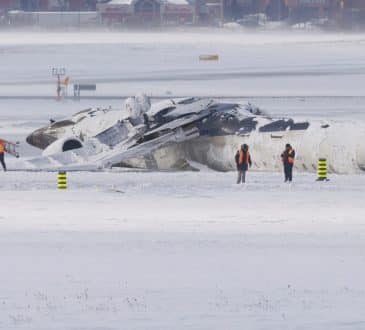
{"points": [[147, 12], [348, 14], [305, 10], [8, 4], [175, 12], [231, 10], [345, 13], [51, 5], [353, 14], [116, 12]]}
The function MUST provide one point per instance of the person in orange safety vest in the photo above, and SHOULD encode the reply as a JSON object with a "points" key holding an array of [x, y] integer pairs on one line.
{"points": [[243, 160], [2, 152], [288, 157]]}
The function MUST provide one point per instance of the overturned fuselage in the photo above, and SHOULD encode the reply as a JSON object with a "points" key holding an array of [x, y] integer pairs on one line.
{"points": [[172, 134]]}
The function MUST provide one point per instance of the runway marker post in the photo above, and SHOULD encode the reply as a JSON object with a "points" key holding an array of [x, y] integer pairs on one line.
{"points": [[62, 180]]}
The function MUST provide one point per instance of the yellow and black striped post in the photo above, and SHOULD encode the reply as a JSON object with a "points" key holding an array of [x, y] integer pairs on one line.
{"points": [[322, 170], [62, 180]]}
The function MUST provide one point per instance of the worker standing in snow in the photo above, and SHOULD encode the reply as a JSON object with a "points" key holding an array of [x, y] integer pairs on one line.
{"points": [[287, 158], [243, 160], [2, 154]]}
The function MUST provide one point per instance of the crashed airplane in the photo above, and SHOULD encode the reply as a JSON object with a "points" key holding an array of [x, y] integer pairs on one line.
{"points": [[178, 134]]}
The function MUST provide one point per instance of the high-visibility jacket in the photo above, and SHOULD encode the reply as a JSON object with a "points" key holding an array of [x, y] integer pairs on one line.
{"points": [[244, 157], [2, 147], [288, 156], [291, 156]]}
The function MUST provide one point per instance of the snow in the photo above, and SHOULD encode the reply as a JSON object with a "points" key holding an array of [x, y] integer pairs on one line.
{"points": [[119, 2], [188, 250], [136, 106], [162, 64], [105, 253], [178, 2]]}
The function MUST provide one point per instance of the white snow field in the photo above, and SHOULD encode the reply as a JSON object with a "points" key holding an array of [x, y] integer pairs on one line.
{"points": [[187, 250], [162, 64], [181, 251]]}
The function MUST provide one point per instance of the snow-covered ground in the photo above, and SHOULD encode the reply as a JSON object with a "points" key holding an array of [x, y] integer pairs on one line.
{"points": [[141, 250], [161, 64], [181, 251]]}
